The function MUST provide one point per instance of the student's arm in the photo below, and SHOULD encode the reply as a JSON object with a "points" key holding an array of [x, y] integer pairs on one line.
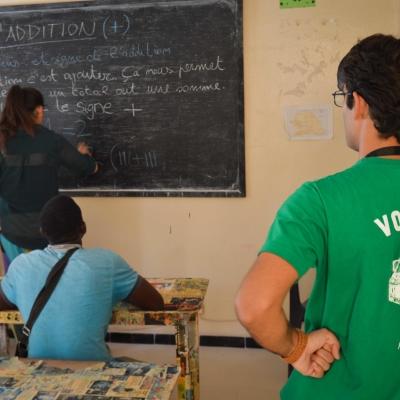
{"points": [[144, 295], [259, 306], [5, 304]]}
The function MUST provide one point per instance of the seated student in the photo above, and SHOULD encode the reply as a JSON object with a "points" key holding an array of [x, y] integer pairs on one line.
{"points": [[74, 322]]}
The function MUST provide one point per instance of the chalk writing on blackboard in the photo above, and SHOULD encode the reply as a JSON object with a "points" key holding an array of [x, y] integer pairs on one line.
{"points": [[154, 87]]}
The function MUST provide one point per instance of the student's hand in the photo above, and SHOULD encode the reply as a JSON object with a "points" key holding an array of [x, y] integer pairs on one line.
{"points": [[83, 148], [321, 351]]}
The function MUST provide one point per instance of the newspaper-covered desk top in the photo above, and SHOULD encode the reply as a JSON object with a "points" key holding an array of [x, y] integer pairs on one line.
{"points": [[113, 380], [182, 297]]}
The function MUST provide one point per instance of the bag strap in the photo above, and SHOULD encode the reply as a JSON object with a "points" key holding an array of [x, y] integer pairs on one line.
{"points": [[44, 295]]}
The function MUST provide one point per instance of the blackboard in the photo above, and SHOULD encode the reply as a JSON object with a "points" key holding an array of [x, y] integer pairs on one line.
{"points": [[154, 87]]}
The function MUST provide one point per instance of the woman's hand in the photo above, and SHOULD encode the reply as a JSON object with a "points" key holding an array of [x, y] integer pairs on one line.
{"points": [[83, 148]]}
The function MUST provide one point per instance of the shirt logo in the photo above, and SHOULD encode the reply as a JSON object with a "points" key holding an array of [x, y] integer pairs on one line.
{"points": [[394, 283]]}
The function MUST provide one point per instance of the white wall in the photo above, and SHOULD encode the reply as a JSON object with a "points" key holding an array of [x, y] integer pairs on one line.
{"points": [[290, 58]]}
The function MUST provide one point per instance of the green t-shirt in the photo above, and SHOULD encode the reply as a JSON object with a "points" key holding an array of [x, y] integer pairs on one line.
{"points": [[347, 226]]}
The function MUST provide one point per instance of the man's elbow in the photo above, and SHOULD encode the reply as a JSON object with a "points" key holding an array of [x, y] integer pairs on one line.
{"points": [[250, 312], [244, 313]]}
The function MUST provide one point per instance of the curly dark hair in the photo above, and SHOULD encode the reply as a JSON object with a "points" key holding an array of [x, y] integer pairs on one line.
{"points": [[372, 69], [61, 220]]}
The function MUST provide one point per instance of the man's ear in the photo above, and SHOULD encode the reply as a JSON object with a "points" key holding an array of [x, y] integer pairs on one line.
{"points": [[83, 228], [360, 106]]}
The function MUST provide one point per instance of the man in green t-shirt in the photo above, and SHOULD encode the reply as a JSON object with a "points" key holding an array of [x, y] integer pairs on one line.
{"points": [[347, 227]]}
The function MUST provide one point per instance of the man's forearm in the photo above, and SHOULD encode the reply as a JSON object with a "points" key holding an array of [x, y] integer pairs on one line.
{"points": [[259, 307], [272, 331], [259, 303]]}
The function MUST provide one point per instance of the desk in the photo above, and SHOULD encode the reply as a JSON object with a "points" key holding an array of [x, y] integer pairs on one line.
{"points": [[183, 299], [66, 380]]}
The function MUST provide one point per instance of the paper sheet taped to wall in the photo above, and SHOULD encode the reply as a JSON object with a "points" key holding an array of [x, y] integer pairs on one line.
{"points": [[308, 122]]}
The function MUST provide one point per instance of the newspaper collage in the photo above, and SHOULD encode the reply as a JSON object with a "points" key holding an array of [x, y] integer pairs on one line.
{"points": [[182, 296], [113, 380]]}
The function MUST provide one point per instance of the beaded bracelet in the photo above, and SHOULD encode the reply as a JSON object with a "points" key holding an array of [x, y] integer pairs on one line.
{"points": [[298, 349]]}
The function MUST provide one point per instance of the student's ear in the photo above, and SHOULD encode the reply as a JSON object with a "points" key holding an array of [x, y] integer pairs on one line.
{"points": [[361, 108], [83, 229]]}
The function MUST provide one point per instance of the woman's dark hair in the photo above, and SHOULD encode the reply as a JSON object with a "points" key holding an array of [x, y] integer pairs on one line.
{"points": [[18, 110], [372, 69], [61, 220]]}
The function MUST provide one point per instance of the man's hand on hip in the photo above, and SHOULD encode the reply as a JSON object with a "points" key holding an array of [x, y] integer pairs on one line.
{"points": [[321, 351]]}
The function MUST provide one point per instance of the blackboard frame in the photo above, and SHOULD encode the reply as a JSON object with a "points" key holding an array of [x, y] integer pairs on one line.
{"points": [[238, 188]]}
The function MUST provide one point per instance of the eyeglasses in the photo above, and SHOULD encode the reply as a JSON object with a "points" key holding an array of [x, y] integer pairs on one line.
{"points": [[339, 97]]}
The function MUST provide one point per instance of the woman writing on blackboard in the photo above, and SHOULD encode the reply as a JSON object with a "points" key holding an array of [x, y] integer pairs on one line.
{"points": [[29, 161]]}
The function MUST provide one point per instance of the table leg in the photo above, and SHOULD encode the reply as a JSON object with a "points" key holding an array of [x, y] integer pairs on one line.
{"points": [[3, 340], [187, 355]]}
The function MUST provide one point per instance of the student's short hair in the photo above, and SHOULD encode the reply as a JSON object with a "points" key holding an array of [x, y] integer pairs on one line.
{"points": [[61, 219], [372, 69]]}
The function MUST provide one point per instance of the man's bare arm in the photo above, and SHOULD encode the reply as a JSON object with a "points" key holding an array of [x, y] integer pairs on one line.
{"points": [[259, 306], [145, 296], [4, 303], [259, 303]]}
